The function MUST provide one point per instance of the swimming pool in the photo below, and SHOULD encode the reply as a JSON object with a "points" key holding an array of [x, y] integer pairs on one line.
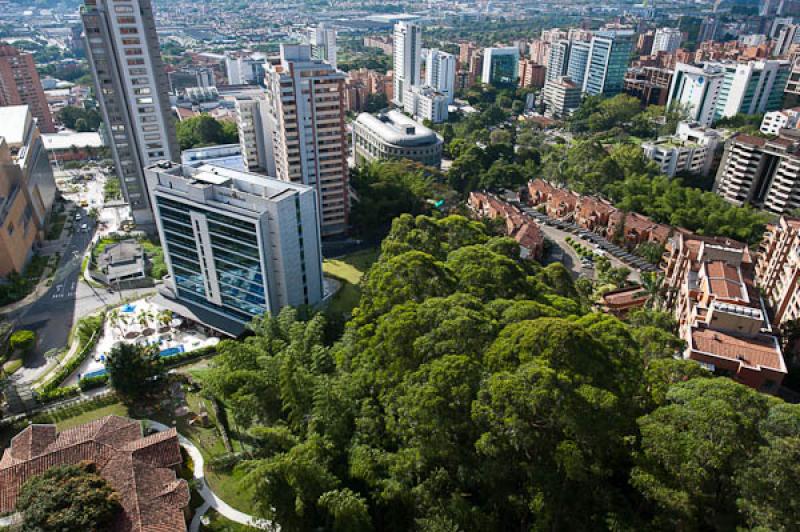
{"points": [[172, 351], [95, 373], [129, 308]]}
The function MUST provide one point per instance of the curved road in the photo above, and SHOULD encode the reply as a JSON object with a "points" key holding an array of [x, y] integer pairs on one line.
{"points": [[210, 498]]}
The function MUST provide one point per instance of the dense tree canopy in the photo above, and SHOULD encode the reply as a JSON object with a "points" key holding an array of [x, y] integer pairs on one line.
{"points": [[205, 130], [68, 499], [473, 390], [133, 369]]}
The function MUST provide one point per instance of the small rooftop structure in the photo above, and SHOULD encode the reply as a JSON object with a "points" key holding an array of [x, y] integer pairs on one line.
{"points": [[121, 262]]}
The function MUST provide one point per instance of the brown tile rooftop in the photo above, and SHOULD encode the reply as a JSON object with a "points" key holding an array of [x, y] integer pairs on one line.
{"points": [[761, 351], [140, 469]]}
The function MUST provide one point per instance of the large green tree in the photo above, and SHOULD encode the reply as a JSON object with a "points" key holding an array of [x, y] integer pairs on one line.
{"points": [[134, 370], [70, 498]]}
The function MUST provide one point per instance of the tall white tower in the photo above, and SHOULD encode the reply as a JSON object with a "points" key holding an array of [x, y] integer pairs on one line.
{"points": [[407, 56], [323, 44], [440, 73]]}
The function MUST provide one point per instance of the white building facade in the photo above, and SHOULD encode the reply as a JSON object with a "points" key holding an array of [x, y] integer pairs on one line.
{"points": [[407, 58], [440, 73], [666, 40], [426, 103], [236, 244]]}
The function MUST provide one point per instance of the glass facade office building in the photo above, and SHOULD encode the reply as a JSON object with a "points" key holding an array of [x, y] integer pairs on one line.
{"points": [[237, 244], [608, 61]]}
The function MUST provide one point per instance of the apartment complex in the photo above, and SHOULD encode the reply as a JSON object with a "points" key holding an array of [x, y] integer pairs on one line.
{"points": [[245, 69], [558, 59], [236, 244], [724, 89], [500, 66], [132, 88], [720, 313], [27, 188], [426, 103], [20, 85], [762, 172], [778, 269], [322, 40], [407, 57], [531, 74], [649, 84], [393, 135], [691, 150], [304, 135], [254, 137], [561, 97], [440, 73], [666, 40], [773, 122]]}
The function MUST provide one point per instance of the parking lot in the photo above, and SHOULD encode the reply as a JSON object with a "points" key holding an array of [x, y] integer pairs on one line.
{"points": [[630, 260]]}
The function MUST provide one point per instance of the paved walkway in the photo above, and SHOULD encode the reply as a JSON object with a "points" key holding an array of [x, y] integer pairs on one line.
{"points": [[210, 498]]}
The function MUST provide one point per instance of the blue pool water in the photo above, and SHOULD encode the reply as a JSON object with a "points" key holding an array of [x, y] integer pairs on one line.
{"points": [[172, 351], [129, 308], [95, 373]]}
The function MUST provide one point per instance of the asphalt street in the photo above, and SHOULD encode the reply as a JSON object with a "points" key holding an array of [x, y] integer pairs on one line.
{"points": [[68, 299]]}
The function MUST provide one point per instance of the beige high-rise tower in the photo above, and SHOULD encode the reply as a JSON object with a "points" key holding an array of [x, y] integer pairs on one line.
{"points": [[305, 131]]}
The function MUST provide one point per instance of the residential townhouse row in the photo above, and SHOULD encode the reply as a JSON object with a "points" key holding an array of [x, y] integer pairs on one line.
{"points": [[519, 225]]}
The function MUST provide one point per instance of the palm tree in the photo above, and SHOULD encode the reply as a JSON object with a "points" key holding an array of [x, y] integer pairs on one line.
{"points": [[651, 286], [164, 317], [114, 319], [144, 318]]}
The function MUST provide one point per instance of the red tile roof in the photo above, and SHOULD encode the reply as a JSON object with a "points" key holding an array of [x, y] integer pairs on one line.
{"points": [[761, 351], [138, 468]]}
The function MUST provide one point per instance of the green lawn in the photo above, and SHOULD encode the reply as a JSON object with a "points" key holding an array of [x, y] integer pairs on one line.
{"points": [[83, 413], [349, 269]]}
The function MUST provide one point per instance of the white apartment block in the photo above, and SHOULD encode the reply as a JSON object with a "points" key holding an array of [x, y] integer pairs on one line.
{"points": [[440, 73], [254, 138], [132, 89], [773, 122], [236, 244], [691, 150], [245, 68], [407, 58], [323, 44], [426, 103], [725, 89], [666, 40], [305, 131]]}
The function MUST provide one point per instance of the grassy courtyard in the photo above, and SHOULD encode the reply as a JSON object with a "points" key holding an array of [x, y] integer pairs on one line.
{"points": [[349, 270]]}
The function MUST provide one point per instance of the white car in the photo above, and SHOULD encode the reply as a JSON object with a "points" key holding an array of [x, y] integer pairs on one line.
{"points": [[78, 216], [85, 228]]}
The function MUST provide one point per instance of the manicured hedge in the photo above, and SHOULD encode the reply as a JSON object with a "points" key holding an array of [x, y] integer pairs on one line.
{"points": [[178, 360], [56, 394], [89, 383]]}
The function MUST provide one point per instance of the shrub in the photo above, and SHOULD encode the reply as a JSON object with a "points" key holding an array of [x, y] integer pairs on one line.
{"points": [[23, 340], [56, 394], [89, 383], [186, 356]]}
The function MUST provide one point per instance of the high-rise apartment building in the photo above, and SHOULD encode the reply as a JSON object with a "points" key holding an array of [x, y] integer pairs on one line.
{"points": [[531, 74], [558, 59], [27, 188], [20, 85], [132, 88], [305, 131], [778, 269], [500, 66], [608, 61], [561, 97], [725, 89], [236, 245], [323, 44], [254, 135], [578, 61], [762, 172], [440, 73], [244, 68], [666, 40], [407, 58]]}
